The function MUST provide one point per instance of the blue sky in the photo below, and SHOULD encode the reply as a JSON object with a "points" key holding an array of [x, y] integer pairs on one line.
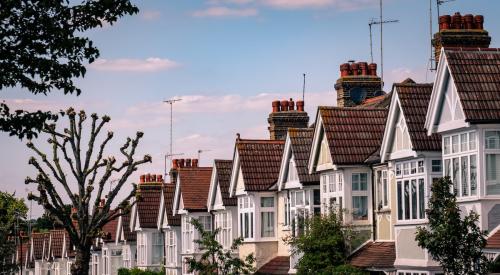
{"points": [[227, 60]]}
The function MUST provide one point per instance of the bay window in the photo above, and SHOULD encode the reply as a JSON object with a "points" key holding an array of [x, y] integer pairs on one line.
{"points": [[246, 218], [302, 208], [157, 243], [141, 248], [126, 257], [460, 163], [359, 196], [206, 222], [187, 234], [171, 256], [267, 217], [223, 223], [411, 189], [492, 150], [382, 188]]}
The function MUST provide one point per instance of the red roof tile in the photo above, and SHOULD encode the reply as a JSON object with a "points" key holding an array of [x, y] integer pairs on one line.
{"points": [[277, 266], [301, 142], [381, 101], [38, 242], [56, 242], [476, 73], [414, 99], [353, 134], [194, 184], [260, 162], [169, 192], [148, 205], [109, 230], [130, 236], [494, 240], [224, 168], [375, 255]]}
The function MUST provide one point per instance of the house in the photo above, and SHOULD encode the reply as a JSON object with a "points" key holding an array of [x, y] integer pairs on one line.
{"points": [[190, 202], [414, 163], [22, 256], [39, 249], [170, 225], [299, 194], [57, 252], [111, 250], [144, 221], [127, 239], [221, 205]]}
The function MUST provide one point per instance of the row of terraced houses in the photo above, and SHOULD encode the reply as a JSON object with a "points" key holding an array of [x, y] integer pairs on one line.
{"points": [[374, 154]]}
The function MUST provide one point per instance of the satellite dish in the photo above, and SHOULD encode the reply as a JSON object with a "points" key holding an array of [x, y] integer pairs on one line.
{"points": [[358, 95], [379, 93]]}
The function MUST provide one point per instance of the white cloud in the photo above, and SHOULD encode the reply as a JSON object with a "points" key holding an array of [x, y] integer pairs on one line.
{"points": [[152, 64], [150, 15], [226, 12]]}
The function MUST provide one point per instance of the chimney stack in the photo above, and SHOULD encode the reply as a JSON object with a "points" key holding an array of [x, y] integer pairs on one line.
{"points": [[360, 76], [284, 116], [461, 32]]}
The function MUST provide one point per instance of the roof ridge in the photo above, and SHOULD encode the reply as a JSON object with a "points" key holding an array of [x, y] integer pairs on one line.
{"points": [[474, 49]]}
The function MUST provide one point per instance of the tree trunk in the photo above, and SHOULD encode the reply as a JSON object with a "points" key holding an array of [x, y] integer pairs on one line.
{"points": [[82, 262]]}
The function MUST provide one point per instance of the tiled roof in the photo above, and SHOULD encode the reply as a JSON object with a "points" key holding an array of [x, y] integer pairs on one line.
{"points": [[301, 142], [195, 183], [494, 240], [414, 99], [109, 230], [129, 236], [277, 266], [38, 242], [148, 205], [381, 101], [169, 191], [223, 168], [375, 255], [476, 73], [260, 162], [353, 134], [22, 252], [56, 242]]}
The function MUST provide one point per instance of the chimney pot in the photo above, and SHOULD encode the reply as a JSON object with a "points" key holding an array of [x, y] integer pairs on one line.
{"points": [[444, 22], [175, 163], [372, 68], [181, 163], [188, 162], [344, 69], [159, 178], [355, 69], [148, 177], [291, 105], [194, 162], [142, 178], [153, 178], [300, 105], [364, 68], [479, 21], [284, 105], [276, 106], [468, 21], [456, 21]]}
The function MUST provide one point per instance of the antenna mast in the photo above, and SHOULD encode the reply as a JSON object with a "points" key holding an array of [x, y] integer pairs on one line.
{"points": [[304, 88], [169, 156], [171, 102], [202, 151]]}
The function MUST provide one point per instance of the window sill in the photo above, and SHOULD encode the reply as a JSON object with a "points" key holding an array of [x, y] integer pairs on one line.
{"points": [[411, 222]]}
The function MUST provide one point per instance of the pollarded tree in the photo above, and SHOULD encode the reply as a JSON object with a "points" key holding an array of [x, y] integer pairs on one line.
{"points": [[456, 243], [83, 176], [44, 47]]}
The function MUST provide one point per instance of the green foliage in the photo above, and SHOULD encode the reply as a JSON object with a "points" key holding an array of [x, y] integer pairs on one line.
{"points": [[345, 270], [215, 259], [324, 246], [455, 242], [11, 208], [137, 271], [44, 48]]}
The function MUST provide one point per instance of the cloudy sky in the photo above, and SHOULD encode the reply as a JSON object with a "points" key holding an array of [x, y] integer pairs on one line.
{"points": [[227, 60]]}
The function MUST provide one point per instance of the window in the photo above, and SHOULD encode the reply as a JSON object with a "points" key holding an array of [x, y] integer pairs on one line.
{"points": [[324, 183], [421, 168], [105, 260], [157, 243], [286, 215], [206, 222], [492, 139], [68, 268], [223, 223], [473, 175], [331, 181], [57, 269], [385, 188], [461, 166], [472, 141], [436, 166], [398, 169], [187, 234], [464, 142], [267, 216], [360, 207], [340, 180], [492, 150], [360, 182], [454, 144], [411, 199], [170, 240], [382, 189], [446, 145], [246, 218], [292, 171], [406, 169], [95, 263], [141, 248], [413, 166], [126, 257]]}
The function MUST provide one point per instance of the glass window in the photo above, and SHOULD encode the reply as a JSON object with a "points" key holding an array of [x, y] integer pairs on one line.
{"points": [[324, 183], [360, 207], [316, 197], [307, 195], [385, 188], [269, 201], [414, 199], [413, 166], [355, 182], [492, 139], [421, 198], [454, 144], [331, 182], [340, 180], [360, 182], [267, 224], [398, 169], [447, 167], [407, 199], [456, 175], [299, 198], [465, 175], [493, 174], [421, 168], [436, 166], [472, 141], [446, 145], [473, 175], [463, 142], [400, 201], [406, 169]]}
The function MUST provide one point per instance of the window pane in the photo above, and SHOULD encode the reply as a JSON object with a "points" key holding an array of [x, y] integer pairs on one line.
{"points": [[421, 198], [472, 141], [251, 225], [465, 175], [355, 182], [446, 145], [246, 224], [400, 202], [492, 174], [317, 197], [421, 166], [407, 200], [267, 224], [299, 198], [447, 167], [454, 144], [413, 167], [398, 169], [436, 165], [331, 182], [413, 199], [360, 207], [492, 139], [323, 178], [406, 169], [463, 142], [307, 195], [267, 201], [363, 177], [473, 175], [456, 170], [385, 187]]}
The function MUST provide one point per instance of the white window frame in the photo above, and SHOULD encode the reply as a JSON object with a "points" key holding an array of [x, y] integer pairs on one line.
{"points": [[401, 202], [360, 192], [223, 221], [187, 234], [105, 261], [331, 198], [246, 208], [141, 248], [69, 264], [156, 248], [271, 210], [383, 196], [490, 151], [171, 248], [126, 257]]}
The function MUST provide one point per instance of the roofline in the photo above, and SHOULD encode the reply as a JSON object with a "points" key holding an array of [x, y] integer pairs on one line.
{"points": [[161, 211], [436, 90], [213, 188], [318, 127], [287, 154], [177, 195], [235, 170]]}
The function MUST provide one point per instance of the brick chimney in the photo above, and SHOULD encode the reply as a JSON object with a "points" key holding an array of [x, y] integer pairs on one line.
{"points": [[460, 31], [284, 115], [360, 78]]}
